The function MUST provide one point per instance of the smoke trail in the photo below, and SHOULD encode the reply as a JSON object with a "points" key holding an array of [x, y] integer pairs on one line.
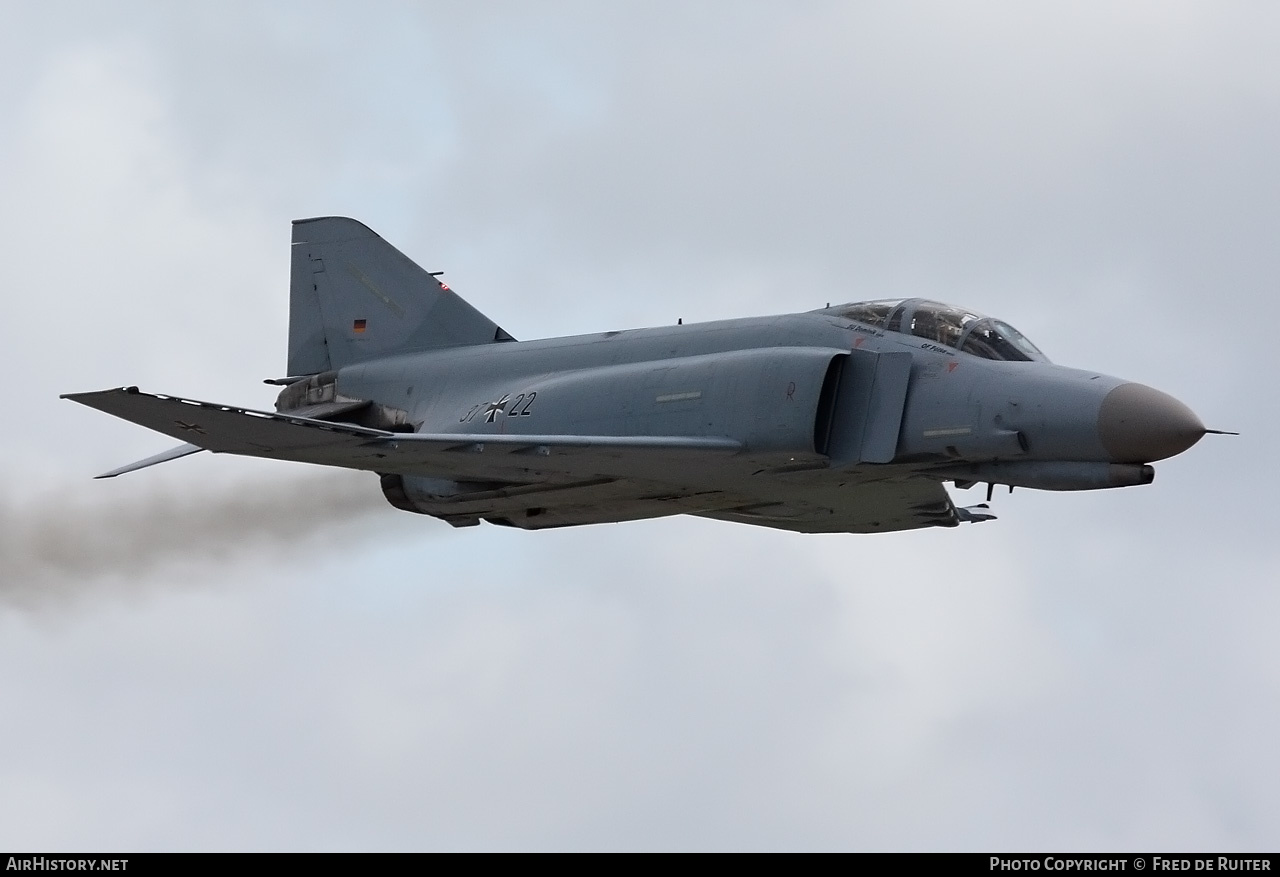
{"points": [[59, 547]]}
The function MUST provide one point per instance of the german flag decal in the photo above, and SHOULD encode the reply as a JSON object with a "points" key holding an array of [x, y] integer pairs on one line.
{"points": [[358, 326]]}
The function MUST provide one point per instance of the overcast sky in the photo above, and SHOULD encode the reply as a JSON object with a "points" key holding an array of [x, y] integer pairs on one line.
{"points": [[231, 654]]}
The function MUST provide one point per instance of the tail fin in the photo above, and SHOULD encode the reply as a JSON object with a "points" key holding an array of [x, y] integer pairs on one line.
{"points": [[353, 296]]}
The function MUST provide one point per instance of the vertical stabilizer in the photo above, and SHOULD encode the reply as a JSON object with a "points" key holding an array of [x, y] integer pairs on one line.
{"points": [[353, 296]]}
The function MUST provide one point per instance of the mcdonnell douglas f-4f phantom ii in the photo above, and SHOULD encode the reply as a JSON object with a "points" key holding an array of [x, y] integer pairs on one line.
{"points": [[848, 419]]}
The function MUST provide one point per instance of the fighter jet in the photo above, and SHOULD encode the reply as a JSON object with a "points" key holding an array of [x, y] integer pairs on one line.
{"points": [[847, 419]]}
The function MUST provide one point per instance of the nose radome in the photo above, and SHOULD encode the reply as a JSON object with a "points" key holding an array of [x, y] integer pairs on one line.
{"points": [[1139, 424]]}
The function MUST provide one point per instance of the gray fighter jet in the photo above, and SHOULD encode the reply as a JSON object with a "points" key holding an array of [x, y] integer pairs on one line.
{"points": [[847, 419]]}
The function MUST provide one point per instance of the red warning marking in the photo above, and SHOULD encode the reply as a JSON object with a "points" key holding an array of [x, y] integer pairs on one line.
{"points": [[858, 342], [951, 366]]}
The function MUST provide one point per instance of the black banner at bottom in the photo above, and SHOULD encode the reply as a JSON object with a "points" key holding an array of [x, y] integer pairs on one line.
{"points": [[1064, 863]]}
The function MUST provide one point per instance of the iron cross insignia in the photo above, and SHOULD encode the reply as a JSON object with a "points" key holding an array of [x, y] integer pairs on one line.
{"points": [[190, 427], [496, 408]]}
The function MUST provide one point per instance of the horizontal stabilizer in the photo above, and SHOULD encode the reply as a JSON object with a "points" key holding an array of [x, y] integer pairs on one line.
{"points": [[180, 451]]}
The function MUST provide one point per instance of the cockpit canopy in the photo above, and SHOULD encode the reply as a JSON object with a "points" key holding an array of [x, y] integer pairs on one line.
{"points": [[944, 324]]}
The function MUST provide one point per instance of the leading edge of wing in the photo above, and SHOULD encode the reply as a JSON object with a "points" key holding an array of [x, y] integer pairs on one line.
{"points": [[246, 431]]}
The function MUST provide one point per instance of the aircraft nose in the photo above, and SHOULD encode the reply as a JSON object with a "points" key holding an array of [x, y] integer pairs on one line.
{"points": [[1139, 424]]}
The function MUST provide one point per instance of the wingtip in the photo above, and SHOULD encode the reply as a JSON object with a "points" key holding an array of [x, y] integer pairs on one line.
{"points": [[79, 397]]}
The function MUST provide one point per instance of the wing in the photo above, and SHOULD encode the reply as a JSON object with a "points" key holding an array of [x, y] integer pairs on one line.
{"points": [[874, 507], [542, 481], [516, 458], [867, 507]]}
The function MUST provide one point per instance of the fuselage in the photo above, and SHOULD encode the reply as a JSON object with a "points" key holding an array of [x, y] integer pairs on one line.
{"points": [[769, 382]]}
